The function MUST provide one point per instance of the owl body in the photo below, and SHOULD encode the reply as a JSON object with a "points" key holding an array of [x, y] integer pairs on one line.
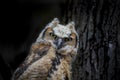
{"points": [[51, 55]]}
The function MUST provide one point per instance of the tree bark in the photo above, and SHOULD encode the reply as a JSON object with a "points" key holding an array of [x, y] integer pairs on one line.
{"points": [[97, 22]]}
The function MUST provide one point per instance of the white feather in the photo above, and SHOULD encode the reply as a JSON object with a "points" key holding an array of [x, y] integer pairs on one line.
{"points": [[62, 31]]}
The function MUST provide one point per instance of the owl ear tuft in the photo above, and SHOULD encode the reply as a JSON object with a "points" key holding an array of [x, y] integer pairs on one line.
{"points": [[56, 19], [71, 25], [55, 22]]}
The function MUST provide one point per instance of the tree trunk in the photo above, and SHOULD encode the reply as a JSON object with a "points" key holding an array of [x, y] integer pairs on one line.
{"points": [[97, 22]]}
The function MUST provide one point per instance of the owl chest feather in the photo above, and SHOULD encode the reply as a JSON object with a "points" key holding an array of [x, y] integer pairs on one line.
{"points": [[61, 68], [37, 64], [47, 66], [38, 70]]}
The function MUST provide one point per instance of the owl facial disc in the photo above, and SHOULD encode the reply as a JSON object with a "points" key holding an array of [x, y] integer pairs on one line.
{"points": [[60, 35]]}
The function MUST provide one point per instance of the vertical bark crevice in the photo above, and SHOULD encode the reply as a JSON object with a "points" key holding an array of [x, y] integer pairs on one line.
{"points": [[97, 25]]}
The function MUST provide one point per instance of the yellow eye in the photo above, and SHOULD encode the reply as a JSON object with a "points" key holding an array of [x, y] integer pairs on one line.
{"points": [[51, 34], [54, 36], [67, 39]]}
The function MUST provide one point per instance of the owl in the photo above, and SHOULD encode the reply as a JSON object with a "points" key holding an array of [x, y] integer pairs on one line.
{"points": [[51, 55]]}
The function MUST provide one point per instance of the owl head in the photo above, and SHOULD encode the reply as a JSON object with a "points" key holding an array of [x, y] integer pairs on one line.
{"points": [[62, 37]]}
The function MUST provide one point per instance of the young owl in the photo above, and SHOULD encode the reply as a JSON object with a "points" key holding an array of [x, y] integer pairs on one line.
{"points": [[51, 55]]}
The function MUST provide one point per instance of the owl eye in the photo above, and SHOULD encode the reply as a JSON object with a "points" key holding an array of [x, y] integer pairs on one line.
{"points": [[54, 36], [51, 34], [67, 39]]}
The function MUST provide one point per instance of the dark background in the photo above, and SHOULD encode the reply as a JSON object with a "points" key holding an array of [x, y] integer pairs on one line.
{"points": [[21, 23], [97, 22]]}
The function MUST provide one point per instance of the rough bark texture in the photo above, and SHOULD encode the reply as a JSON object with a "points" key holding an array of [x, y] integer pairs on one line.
{"points": [[97, 22]]}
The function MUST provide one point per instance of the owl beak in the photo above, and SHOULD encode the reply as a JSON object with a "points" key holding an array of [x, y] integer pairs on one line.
{"points": [[58, 43]]}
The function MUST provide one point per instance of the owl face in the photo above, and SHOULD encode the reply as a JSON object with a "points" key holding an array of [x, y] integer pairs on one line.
{"points": [[61, 37]]}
